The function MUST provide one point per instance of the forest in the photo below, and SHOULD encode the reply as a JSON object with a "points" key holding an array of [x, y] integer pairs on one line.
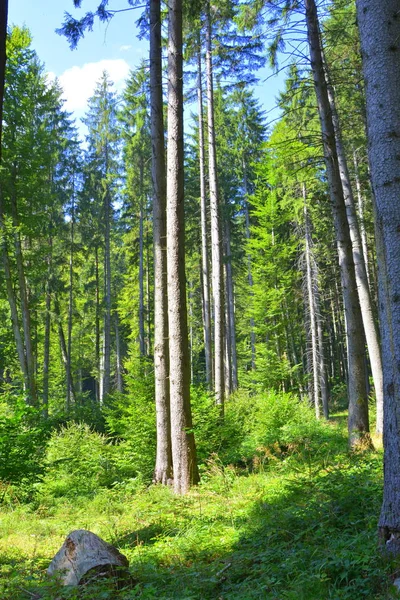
{"points": [[199, 308]]}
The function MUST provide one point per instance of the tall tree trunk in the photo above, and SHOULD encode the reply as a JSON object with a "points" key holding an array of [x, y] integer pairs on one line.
{"points": [[367, 313], [64, 354], [323, 383], [204, 244], [25, 310], [142, 343], [360, 206], [358, 422], [97, 325], [120, 383], [183, 444], [249, 272], [47, 333], [314, 395], [380, 44], [107, 299], [230, 303], [70, 299], [216, 241], [163, 466]]}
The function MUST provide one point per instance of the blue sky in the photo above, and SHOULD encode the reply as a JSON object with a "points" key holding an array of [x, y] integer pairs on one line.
{"points": [[114, 47]]}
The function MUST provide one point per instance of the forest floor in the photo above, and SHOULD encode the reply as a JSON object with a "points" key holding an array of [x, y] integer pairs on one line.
{"points": [[301, 525]]}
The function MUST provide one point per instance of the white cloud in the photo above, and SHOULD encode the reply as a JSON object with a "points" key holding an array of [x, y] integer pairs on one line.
{"points": [[78, 83], [125, 48]]}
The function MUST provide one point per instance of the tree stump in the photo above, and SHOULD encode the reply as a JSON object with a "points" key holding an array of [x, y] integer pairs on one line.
{"points": [[82, 554]]}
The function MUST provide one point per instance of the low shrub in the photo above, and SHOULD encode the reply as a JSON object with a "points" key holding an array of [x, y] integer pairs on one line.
{"points": [[79, 461]]}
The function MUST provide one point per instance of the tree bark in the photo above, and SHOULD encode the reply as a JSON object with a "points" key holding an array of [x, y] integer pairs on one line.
{"points": [[358, 422], [231, 307], [142, 342], [64, 354], [204, 244], [379, 24], [97, 325], [364, 294], [216, 241], [70, 299], [107, 299], [163, 466], [23, 293], [249, 271], [183, 444], [314, 395], [120, 382]]}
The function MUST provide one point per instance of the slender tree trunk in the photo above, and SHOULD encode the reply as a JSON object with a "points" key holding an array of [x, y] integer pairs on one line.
{"points": [[204, 244], [323, 383], [47, 332], [231, 306], [370, 326], [314, 396], [216, 242], [360, 206], [183, 444], [380, 44], [107, 299], [148, 302], [64, 353], [120, 383], [70, 300], [163, 466], [25, 310], [358, 394], [97, 326], [249, 272], [142, 343]]}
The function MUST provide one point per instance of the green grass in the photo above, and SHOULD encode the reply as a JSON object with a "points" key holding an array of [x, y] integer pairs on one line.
{"points": [[302, 527]]}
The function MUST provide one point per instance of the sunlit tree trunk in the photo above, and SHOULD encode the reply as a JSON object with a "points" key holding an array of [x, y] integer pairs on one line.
{"points": [[163, 466], [216, 238], [204, 244], [360, 269], [23, 292], [358, 422], [314, 388], [379, 25], [142, 341], [183, 445]]}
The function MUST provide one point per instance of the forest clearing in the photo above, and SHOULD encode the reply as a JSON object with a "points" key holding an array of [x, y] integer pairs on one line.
{"points": [[199, 302]]}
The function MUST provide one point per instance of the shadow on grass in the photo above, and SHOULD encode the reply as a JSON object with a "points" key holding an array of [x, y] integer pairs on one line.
{"points": [[306, 532]]}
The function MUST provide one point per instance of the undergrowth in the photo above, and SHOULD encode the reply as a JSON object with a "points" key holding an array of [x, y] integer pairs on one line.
{"points": [[285, 516]]}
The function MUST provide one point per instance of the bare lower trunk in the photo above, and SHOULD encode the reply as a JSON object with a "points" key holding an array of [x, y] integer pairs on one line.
{"points": [[204, 245], [97, 326], [358, 394], [183, 445], [46, 348], [360, 206], [380, 34], [163, 466], [249, 272], [23, 294], [120, 383], [64, 354], [107, 300], [230, 303], [70, 302], [370, 326], [314, 388], [216, 242], [142, 344]]}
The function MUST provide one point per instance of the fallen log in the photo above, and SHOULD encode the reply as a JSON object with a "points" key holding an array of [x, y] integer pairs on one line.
{"points": [[84, 555]]}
